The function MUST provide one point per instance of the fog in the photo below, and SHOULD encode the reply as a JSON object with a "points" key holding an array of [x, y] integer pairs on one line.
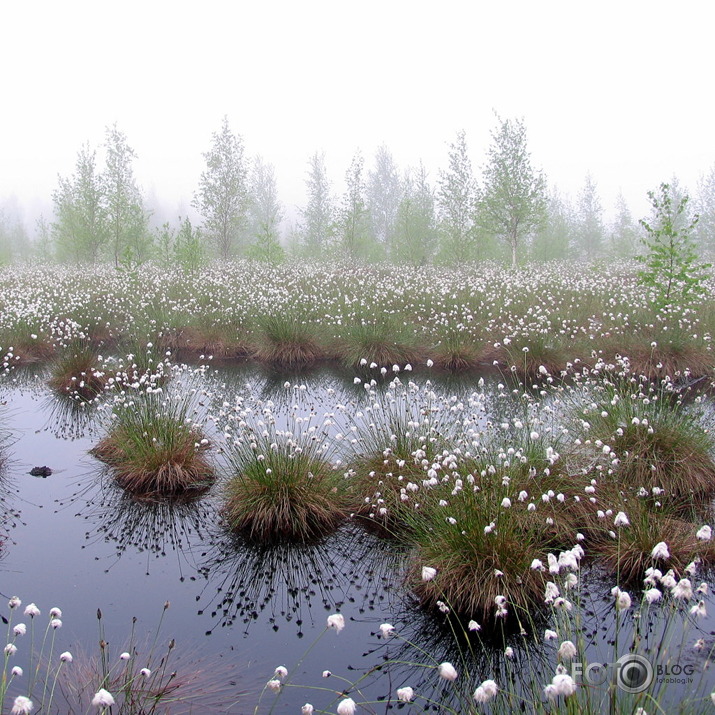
{"points": [[618, 91]]}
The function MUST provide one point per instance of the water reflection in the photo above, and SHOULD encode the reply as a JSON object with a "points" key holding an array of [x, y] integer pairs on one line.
{"points": [[152, 527], [287, 580], [68, 417]]}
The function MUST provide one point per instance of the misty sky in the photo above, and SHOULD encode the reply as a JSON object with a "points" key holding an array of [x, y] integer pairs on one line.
{"points": [[621, 89]]}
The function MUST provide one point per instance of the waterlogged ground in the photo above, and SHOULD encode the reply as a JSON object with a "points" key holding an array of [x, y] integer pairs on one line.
{"points": [[237, 611]]}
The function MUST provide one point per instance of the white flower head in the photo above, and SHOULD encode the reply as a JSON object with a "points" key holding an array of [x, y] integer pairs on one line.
{"points": [[346, 707], [405, 695], [66, 657], [281, 671], [567, 650], [22, 706], [447, 671], [274, 684], [386, 630], [336, 621], [102, 699], [14, 603], [307, 709], [704, 533], [621, 519], [660, 551], [20, 629], [16, 671], [32, 610], [485, 692], [699, 610], [683, 589], [652, 595], [145, 672], [428, 573]]}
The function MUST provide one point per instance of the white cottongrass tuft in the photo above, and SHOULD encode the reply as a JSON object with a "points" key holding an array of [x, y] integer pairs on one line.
{"points": [[281, 671], [16, 671], [145, 672], [337, 622], [386, 630], [621, 519], [32, 610], [22, 706], [307, 709], [274, 684], [561, 684], [20, 629], [447, 671], [567, 650], [428, 573], [66, 657], [486, 691], [660, 551], [102, 699], [652, 595], [346, 707], [683, 589], [704, 533], [405, 695]]}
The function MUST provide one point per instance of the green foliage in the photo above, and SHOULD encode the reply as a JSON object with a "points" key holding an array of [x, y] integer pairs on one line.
{"points": [[354, 218], [189, 249], [126, 217], [514, 200], [80, 228], [264, 215], [222, 198], [318, 216], [671, 264], [456, 204]]}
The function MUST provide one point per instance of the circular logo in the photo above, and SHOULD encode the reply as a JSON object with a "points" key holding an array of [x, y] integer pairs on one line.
{"points": [[634, 673]]}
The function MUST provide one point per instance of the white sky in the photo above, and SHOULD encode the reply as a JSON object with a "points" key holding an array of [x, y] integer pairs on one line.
{"points": [[623, 89]]}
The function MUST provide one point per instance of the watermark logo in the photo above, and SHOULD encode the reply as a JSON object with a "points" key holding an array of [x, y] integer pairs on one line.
{"points": [[631, 673]]}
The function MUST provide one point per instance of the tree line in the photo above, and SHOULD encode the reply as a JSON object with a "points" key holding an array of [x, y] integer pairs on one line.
{"points": [[506, 212]]}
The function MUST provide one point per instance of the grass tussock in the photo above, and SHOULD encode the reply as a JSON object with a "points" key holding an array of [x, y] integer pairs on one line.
{"points": [[219, 341], [480, 552], [76, 371], [630, 553], [281, 484], [153, 449], [457, 352], [381, 342], [657, 440], [288, 342]]}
